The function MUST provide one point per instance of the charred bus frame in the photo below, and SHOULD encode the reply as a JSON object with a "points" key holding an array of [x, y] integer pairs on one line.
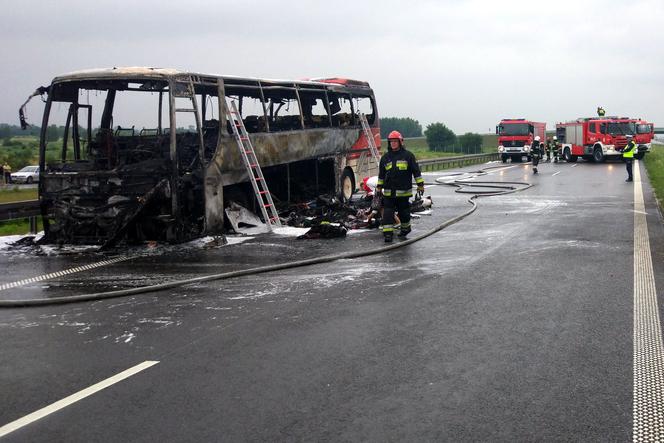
{"points": [[172, 183]]}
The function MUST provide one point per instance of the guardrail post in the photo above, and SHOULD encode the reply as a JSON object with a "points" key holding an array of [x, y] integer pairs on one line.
{"points": [[33, 224]]}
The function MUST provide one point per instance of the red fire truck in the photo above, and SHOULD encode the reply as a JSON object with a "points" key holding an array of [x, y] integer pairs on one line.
{"points": [[645, 132], [515, 137], [595, 138]]}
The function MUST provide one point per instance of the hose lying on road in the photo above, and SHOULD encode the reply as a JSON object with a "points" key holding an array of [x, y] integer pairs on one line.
{"points": [[460, 184]]}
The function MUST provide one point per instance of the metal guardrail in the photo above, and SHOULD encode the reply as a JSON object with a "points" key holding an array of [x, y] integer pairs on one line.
{"points": [[22, 209], [435, 164]]}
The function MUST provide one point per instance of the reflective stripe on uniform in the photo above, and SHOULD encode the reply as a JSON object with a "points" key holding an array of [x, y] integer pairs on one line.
{"points": [[405, 225], [388, 166], [388, 228], [408, 193], [402, 165], [380, 182], [419, 180]]}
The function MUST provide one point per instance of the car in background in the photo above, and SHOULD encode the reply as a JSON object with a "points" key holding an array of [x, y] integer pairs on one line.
{"points": [[29, 174]]}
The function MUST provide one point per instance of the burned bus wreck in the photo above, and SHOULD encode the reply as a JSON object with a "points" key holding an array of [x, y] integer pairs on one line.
{"points": [[148, 154]]}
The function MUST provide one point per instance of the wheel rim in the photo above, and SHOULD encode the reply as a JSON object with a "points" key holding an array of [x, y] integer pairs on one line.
{"points": [[347, 187]]}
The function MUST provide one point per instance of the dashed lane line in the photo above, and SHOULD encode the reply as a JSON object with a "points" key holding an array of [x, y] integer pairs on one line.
{"points": [[555, 173], [648, 396], [39, 278], [80, 395]]}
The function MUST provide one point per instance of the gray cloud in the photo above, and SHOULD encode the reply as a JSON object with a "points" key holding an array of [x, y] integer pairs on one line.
{"points": [[466, 63]]}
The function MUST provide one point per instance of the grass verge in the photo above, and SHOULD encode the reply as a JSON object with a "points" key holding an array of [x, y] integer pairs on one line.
{"points": [[654, 161], [15, 194], [18, 227]]}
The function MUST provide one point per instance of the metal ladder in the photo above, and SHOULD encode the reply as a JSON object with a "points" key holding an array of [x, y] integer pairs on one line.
{"points": [[370, 138], [253, 168]]}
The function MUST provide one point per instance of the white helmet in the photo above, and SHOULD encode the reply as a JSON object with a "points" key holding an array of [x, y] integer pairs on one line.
{"points": [[537, 138], [555, 138]]}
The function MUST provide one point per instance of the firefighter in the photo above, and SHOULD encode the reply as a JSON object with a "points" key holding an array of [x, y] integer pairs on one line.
{"points": [[536, 153], [600, 111], [628, 156], [548, 146], [555, 149], [395, 173]]}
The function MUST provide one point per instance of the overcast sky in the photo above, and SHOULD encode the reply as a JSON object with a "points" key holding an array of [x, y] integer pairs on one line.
{"points": [[464, 63]]}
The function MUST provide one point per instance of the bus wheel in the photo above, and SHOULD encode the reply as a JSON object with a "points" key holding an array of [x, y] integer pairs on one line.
{"points": [[347, 185], [598, 155]]}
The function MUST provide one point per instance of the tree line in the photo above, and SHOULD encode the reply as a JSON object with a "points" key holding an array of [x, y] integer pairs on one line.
{"points": [[439, 136]]}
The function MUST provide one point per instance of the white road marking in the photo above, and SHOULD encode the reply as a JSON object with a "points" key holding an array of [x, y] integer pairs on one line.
{"points": [[62, 273], [574, 166], [555, 173], [500, 169], [648, 396], [80, 395]]}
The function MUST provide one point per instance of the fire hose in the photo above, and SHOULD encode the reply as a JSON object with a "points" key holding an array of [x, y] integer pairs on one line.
{"points": [[491, 188]]}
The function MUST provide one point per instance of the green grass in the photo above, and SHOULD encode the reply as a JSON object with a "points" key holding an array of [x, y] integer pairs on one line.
{"points": [[18, 227], [654, 161], [16, 194], [419, 147]]}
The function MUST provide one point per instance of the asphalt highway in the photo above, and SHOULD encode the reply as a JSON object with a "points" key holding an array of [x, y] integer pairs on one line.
{"points": [[515, 324]]}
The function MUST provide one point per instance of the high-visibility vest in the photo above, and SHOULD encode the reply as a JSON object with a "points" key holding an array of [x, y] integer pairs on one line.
{"points": [[628, 152]]}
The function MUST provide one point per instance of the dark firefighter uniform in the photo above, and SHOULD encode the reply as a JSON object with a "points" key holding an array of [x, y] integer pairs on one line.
{"points": [[395, 173], [628, 157], [536, 153]]}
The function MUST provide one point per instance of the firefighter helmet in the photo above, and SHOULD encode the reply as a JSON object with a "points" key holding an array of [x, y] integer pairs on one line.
{"points": [[628, 136], [555, 138], [537, 138], [395, 135]]}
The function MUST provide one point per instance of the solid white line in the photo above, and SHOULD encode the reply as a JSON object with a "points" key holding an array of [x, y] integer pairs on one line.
{"points": [[60, 404], [555, 173], [574, 166], [648, 364]]}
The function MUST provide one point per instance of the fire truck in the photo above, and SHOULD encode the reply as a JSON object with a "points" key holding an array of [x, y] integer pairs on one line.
{"points": [[645, 132], [515, 137], [596, 138]]}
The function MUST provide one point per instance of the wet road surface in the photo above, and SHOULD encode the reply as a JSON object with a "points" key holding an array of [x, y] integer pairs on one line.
{"points": [[515, 324]]}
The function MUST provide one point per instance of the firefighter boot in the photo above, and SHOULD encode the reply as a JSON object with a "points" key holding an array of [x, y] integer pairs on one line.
{"points": [[534, 170], [388, 237], [404, 233]]}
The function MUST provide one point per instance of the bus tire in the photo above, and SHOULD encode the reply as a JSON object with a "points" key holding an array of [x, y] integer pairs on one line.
{"points": [[598, 155], [347, 184]]}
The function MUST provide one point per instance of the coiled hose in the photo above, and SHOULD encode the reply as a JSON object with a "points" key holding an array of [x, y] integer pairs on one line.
{"points": [[502, 188]]}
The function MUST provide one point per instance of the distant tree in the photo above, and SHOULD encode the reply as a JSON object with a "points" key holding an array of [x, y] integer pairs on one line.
{"points": [[5, 132], [471, 143], [407, 126], [439, 137]]}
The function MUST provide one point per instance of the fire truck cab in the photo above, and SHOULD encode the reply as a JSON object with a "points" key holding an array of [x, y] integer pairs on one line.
{"points": [[515, 137], [643, 136], [596, 138]]}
